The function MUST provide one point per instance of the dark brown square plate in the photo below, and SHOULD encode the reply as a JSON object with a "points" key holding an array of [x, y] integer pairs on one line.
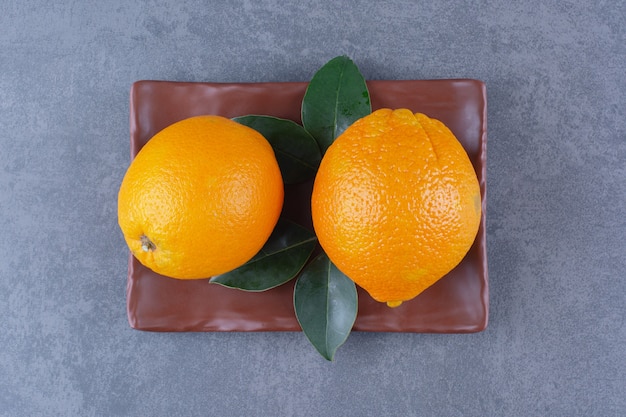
{"points": [[458, 303]]}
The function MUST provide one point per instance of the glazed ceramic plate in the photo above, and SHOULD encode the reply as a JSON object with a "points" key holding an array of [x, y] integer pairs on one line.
{"points": [[458, 303]]}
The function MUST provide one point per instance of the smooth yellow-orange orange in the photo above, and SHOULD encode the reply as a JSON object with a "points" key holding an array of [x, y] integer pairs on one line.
{"points": [[396, 203], [201, 198]]}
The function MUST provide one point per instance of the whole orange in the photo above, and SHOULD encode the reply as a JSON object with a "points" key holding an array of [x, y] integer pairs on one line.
{"points": [[201, 198], [396, 203]]}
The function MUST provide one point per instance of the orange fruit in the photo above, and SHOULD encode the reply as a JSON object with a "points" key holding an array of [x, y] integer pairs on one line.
{"points": [[396, 203], [201, 198]]}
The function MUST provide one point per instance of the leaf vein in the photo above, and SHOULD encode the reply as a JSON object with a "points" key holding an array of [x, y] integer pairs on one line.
{"points": [[304, 242], [301, 161], [343, 69]]}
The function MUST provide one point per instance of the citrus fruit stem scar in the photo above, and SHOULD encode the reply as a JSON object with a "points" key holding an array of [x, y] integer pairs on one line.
{"points": [[393, 304], [146, 244]]}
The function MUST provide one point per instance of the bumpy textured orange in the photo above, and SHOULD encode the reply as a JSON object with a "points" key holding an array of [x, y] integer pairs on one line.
{"points": [[396, 203], [201, 198]]}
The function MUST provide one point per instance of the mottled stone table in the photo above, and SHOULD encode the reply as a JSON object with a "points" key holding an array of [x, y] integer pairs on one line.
{"points": [[555, 344]]}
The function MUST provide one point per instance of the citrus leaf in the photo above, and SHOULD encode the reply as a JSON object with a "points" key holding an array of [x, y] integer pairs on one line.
{"points": [[297, 153], [326, 305], [280, 259], [336, 97]]}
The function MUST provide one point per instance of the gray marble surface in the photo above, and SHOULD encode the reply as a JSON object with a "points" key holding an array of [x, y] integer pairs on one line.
{"points": [[555, 76]]}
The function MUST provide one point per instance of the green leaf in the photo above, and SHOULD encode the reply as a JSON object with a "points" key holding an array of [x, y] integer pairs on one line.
{"points": [[326, 305], [280, 259], [297, 153], [336, 97]]}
